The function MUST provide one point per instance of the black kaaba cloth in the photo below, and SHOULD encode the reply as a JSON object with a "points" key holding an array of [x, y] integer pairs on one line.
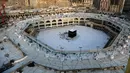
{"points": [[72, 33]]}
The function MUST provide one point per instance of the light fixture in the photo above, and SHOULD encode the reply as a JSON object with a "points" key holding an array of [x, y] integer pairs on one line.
{"points": [[112, 56], [5, 37], [19, 36], [122, 52], [124, 46], [126, 41], [15, 33], [24, 40]]}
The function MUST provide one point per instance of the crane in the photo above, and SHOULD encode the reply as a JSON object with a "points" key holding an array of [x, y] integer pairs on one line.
{"points": [[2, 11]]}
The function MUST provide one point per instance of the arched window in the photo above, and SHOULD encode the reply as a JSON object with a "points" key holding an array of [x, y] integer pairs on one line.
{"points": [[41, 22], [87, 18], [54, 21], [81, 19], [76, 19], [59, 20], [36, 22], [47, 21]]}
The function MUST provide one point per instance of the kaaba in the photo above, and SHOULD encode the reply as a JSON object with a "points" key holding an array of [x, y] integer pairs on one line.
{"points": [[72, 33]]}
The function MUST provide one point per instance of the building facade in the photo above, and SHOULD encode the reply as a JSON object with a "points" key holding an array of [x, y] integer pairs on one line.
{"points": [[96, 4], [46, 3], [16, 3], [114, 6], [127, 5]]}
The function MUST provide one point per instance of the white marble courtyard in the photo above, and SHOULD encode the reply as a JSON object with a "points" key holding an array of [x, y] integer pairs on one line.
{"points": [[87, 38]]}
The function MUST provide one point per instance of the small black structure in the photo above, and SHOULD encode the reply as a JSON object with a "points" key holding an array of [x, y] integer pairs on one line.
{"points": [[32, 64], [72, 33]]}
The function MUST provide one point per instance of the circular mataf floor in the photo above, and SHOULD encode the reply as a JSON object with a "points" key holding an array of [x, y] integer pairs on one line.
{"points": [[87, 38]]}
